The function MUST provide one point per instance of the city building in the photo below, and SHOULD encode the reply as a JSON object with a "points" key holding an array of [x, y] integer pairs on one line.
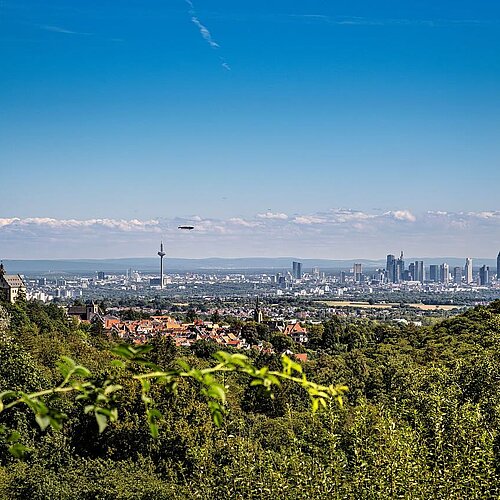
{"points": [[11, 285], [297, 270], [358, 272], [444, 273], [297, 332], [468, 270], [457, 275], [411, 271], [498, 267], [390, 268], [84, 313], [419, 271], [400, 269], [258, 317], [484, 275], [434, 274]]}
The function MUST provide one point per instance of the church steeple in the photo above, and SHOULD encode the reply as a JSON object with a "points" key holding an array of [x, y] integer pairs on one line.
{"points": [[2, 269], [257, 314]]}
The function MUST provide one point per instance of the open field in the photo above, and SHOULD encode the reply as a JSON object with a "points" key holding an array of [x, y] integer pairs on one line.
{"points": [[434, 307], [362, 305], [388, 305]]}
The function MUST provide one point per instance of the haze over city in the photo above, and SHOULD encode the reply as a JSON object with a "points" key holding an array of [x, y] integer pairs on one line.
{"points": [[317, 129]]}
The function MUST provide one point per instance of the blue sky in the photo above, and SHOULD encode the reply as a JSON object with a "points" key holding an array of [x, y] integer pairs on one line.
{"points": [[216, 111]]}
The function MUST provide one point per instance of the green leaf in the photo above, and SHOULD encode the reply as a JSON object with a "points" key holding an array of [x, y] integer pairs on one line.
{"points": [[13, 437], [81, 371], [315, 404], [124, 351], [153, 429], [216, 391], [221, 356], [5, 395], [42, 420], [183, 365], [273, 379], [102, 421], [217, 418], [66, 366], [112, 388], [18, 450]]}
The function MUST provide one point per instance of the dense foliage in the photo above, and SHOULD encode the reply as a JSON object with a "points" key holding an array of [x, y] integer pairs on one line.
{"points": [[421, 419]]}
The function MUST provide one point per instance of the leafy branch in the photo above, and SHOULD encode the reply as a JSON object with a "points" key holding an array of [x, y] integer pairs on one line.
{"points": [[102, 398]]}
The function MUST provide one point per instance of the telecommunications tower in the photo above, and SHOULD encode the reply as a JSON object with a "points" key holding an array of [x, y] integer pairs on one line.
{"points": [[161, 254]]}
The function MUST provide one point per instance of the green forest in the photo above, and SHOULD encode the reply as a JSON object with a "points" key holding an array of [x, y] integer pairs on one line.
{"points": [[420, 419]]}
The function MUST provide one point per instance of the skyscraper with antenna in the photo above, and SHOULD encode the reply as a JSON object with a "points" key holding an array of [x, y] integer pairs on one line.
{"points": [[161, 254]]}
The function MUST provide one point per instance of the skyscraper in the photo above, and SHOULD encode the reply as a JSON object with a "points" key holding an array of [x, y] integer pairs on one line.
{"points": [[484, 275], [411, 271], [390, 268], [434, 273], [445, 272], [357, 271], [297, 270], [400, 269], [457, 275], [468, 270], [419, 271], [498, 267]]}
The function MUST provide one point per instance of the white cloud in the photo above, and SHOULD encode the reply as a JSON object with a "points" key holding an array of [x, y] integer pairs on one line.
{"points": [[403, 215], [64, 31], [271, 215], [308, 219], [51, 223], [242, 222], [205, 33], [366, 21], [335, 233], [7, 222], [484, 215]]}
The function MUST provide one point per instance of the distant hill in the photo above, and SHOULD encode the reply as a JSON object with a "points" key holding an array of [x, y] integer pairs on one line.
{"points": [[176, 264]]}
